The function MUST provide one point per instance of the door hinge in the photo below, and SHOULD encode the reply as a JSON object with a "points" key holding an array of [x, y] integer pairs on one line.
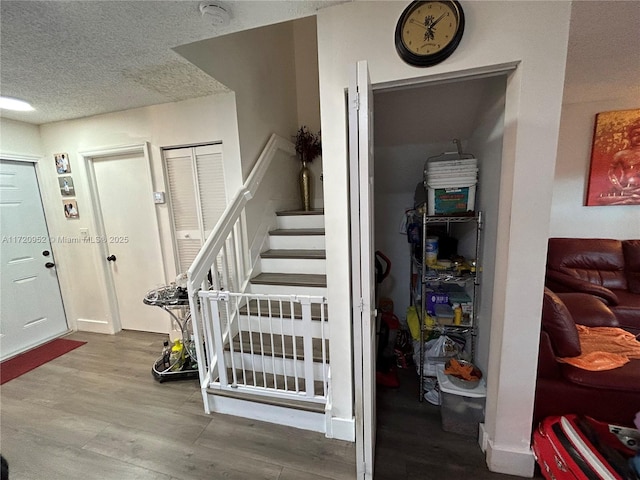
{"points": [[356, 101], [361, 305]]}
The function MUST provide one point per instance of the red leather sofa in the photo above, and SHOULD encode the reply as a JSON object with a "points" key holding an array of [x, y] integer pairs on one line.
{"points": [[611, 396], [606, 268]]}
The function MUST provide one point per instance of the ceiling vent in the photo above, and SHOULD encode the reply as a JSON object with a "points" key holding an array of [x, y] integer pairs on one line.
{"points": [[215, 14]]}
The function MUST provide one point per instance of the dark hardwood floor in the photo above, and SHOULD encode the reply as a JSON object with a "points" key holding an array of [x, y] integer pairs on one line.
{"points": [[97, 413], [411, 444]]}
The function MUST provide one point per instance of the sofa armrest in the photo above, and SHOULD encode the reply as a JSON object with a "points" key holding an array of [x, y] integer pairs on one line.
{"points": [[562, 283], [547, 364]]}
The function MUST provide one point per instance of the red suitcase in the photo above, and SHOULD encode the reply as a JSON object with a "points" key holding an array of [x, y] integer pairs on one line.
{"points": [[573, 447]]}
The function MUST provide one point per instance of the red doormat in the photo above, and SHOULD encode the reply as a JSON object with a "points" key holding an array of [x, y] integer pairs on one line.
{"points": [[27, 361]]}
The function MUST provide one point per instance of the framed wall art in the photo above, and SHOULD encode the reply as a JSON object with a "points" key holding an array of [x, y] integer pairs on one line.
{"points": [[62, 163], [70, 208], [66, 186], [614, 175]]}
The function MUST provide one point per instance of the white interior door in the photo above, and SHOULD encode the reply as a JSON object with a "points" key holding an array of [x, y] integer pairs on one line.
{"points": [[131, 247], [30, 300], [362, 254]]}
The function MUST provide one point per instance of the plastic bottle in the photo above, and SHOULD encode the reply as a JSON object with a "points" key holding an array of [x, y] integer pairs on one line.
{"points": [[176, 358], [165, 359], [166, 351], [457, 314]]}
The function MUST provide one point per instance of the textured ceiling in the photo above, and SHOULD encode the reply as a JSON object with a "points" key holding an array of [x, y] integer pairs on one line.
{"points": [[73, 59], [603, 60]]}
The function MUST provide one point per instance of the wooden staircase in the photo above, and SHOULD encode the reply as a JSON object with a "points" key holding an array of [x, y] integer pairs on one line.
{"points": [[269, 354]]}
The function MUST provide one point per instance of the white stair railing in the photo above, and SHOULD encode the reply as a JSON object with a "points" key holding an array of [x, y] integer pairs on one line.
{"points": [[217, 281], [271, 345]]}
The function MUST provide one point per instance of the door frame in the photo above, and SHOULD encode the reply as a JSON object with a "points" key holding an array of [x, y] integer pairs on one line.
{"points": [[88, 158], [507, 69]]}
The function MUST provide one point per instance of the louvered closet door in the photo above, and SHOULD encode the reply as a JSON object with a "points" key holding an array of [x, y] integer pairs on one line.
{"points": [[197, 194]]}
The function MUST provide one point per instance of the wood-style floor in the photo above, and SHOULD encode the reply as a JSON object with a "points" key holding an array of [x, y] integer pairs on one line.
{"points": [[96, 413], [411, 444]]}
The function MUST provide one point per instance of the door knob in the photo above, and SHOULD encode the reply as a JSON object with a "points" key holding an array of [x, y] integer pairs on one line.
{"points": [[49, 265], [111, 258]]}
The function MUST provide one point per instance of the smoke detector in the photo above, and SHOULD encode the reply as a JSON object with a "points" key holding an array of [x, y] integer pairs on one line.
{"points": [[215, 14]]}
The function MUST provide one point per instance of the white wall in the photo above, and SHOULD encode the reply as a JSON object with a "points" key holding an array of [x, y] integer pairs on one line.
{"points": [[486, 144], [259, 66], [397, 171], [19, 138], [193, 121], [307, 92], [569, 215], [497, 33]]}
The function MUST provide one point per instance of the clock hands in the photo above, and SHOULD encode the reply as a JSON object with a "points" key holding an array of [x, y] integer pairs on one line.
{"points": [[429, 24], [439, 18], [414, 21]]}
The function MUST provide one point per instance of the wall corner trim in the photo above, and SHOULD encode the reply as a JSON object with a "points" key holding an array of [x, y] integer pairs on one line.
{"points": [[501, 459], [342, 429]]}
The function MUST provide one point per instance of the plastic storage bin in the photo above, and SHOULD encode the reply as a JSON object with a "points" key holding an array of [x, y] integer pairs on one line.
{"points": [[461, 409], [451, 200], [451, 185]]}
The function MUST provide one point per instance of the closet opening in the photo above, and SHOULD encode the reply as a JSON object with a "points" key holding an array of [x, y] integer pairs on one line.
{"points": [[412, 124]]}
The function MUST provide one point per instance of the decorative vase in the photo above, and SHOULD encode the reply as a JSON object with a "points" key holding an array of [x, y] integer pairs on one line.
{"points": [[305, 187]]}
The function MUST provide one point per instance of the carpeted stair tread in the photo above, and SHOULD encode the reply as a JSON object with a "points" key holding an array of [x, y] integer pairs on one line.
{"points": [[297, 231], [300, 212], [316, 309], [262, 344], [298, 254], [291, 279]]}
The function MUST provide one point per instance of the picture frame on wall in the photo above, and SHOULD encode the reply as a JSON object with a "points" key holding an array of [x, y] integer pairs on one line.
{"points": [[614, 173], [62, 163], [70, 208], [66, 186]]}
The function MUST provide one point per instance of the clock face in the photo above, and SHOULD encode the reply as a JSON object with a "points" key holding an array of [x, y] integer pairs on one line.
{"points": [[429, 31]]}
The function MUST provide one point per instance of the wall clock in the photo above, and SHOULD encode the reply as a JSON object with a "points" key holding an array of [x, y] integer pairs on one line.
{"points": [[429, 31]]}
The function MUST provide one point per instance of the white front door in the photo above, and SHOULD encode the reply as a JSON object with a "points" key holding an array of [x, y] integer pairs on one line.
{"points": [[30, 300], [131, 251], [362, 257]]}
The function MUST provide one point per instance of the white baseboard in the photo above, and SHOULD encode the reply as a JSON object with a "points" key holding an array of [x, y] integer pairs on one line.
{"points": [[94, 326], [267, 413], [509, 460], [342, 429]]}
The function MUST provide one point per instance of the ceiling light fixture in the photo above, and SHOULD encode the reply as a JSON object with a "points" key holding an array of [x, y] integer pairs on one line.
{"points": [[8, 103], [215, 14]]}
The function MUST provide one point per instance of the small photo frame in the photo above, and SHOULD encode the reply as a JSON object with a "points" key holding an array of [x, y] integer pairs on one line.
{"points": [[70, 208], [62, 163], [66, 186]]}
